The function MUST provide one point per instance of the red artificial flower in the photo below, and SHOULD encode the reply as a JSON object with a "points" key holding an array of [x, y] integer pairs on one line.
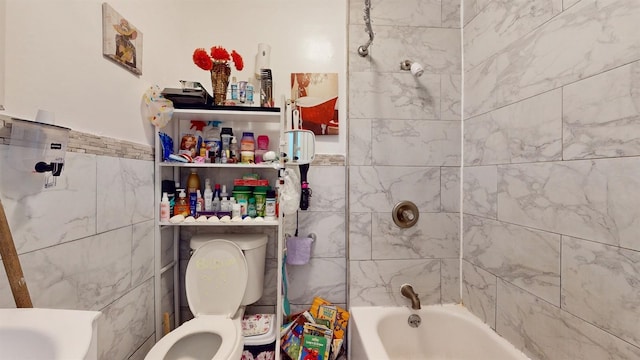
{"points": [[237, 60], [202, 59], [218, 53]]}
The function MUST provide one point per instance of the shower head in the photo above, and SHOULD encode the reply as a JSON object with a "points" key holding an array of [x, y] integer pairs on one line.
{"points": [[415, 68]]}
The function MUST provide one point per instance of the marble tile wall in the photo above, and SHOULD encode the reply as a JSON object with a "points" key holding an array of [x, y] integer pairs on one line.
{"points": [[87, 243], [551, 257], [404, 144], [326, 273]]}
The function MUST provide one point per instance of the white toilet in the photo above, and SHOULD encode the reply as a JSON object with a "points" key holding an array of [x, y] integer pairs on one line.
{"points": [[225, 273]]}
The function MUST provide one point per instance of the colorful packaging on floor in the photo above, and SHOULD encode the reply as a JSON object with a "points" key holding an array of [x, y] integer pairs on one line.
{"points": [[316, 334]]}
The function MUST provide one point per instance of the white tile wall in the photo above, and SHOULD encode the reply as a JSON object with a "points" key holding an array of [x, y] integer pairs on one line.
{"points": [[69, 263], [551, 251]]}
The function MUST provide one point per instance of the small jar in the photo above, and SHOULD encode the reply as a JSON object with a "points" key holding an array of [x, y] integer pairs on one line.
{"points": [[247, 148], [248, 142], [263, 147]]}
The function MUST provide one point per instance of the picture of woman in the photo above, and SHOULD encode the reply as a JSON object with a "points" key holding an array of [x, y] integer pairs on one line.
{"points": [[188, 145]]}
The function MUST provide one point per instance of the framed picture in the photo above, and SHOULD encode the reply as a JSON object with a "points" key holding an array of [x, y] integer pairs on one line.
{"points": [[121, 41], [316, 99]]}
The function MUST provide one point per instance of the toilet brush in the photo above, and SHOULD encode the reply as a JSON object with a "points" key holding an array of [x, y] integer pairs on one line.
{"points": [[11, 264]]}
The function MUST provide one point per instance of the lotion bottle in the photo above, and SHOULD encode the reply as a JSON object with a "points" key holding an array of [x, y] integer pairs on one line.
{"points": [[165, 208]]}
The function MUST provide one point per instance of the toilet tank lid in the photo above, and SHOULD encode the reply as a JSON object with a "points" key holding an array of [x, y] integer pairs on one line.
{"points": [[244, 241]]}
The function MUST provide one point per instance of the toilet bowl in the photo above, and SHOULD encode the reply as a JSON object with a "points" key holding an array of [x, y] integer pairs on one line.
{"points": [[216, 284], [204, 337]]}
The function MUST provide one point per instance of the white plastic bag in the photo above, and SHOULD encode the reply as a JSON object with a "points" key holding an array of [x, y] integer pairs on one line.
{"points": [[155, 107], [290, 193]]}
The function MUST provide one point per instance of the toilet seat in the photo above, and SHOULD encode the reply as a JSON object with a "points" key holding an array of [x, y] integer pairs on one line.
{"points": [[215, 282], [229, 330], [216, 279]]}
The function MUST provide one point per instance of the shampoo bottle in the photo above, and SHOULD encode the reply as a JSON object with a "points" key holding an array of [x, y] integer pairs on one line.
{"points": [[193, 182]]}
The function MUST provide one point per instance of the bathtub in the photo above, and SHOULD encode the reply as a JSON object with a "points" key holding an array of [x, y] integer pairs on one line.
{"points": [[446, 332]]}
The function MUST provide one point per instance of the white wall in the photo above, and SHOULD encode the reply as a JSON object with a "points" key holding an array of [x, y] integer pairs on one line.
{"points": [[54, 55]]}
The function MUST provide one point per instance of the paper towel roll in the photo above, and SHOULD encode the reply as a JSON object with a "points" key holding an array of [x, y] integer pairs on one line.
{"points": [[263, 58]]}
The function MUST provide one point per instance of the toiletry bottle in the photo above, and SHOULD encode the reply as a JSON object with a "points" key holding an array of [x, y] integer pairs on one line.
{"points": [[234, 88], [193, 182], [164, 208], [251, 208], [262, 148], [270, 206], [224, 199], [176, 196], [242, 91], [249, 92], [216, 198], [182, 205], [226, 133], [244, 204], [223, 157], [169, 186], [224, 205], [199, 202], [233, 149], [235, 211], [247, 148], [208, 196], [223, 193], [193, 203]]}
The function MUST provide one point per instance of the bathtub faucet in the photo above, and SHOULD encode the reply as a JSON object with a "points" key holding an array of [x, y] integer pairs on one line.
{"points": [[407, 291]]}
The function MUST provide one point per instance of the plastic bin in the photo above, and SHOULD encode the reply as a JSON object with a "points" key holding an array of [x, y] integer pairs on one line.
{"points": [[261, 346]]}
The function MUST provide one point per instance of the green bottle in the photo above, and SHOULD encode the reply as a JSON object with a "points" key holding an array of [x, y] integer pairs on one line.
{"points": [[251, 208]]}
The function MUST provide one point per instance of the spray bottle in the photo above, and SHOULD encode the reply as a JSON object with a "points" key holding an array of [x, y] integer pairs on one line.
{"points": [[164, 208], [208, 196]]}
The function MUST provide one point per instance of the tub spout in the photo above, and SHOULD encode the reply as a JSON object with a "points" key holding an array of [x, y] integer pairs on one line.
{"points": [[407, 291]]}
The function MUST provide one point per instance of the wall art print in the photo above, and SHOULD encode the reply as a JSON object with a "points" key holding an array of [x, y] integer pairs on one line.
{"points": [[316, 98], [121, 41]]}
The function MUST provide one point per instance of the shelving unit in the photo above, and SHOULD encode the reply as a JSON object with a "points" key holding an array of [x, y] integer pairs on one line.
{"points": [[268, 121]]}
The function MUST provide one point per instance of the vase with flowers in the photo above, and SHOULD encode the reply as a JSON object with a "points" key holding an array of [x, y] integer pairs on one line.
{"points": [[217, 61]]}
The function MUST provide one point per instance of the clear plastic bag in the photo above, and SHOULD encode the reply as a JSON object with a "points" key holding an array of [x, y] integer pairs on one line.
{"points": [[290, 193], [155, 107]]}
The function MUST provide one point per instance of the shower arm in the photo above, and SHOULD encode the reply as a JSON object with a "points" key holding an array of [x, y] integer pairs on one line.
{"points": [[364, 49]]}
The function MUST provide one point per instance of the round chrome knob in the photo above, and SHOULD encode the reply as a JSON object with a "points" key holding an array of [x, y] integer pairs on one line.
{"points": [[405, 214]]}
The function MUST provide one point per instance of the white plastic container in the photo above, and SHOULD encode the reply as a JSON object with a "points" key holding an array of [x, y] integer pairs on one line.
{"points": [[262, 346]]}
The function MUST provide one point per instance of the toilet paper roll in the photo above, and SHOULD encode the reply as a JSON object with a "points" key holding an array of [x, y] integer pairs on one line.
{"points": [[46, 117], [263, 58]]}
